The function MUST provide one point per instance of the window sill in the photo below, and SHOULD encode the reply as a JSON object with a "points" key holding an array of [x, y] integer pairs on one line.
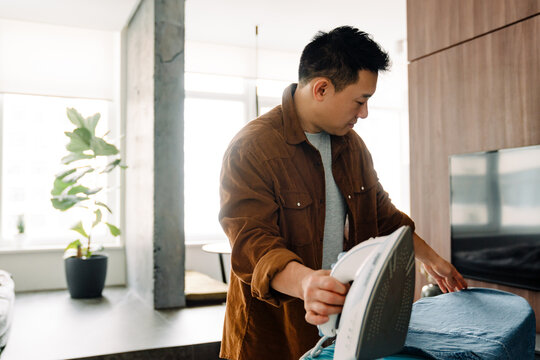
{"points": [[48, 249], [37, 269]]}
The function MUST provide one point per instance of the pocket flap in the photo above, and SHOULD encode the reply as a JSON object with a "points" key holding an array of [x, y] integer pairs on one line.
{"points": [[365, 184], [295, 199]]}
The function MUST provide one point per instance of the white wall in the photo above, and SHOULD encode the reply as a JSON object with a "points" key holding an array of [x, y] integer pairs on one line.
{"points": [[35, 270], [206, 263]]}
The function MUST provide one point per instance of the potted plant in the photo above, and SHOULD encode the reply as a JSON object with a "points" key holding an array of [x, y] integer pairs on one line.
{"points": [[85, 270]]}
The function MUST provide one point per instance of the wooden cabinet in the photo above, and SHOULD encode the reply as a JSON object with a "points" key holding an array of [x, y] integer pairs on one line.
{"points": [[467, 96], [433, 25]]}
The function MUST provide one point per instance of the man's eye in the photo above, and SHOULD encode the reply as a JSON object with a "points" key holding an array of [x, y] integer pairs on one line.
{"points": [[360, 103]]}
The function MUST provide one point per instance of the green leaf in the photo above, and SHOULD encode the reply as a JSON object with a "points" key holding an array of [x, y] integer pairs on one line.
{"points": [[83, 189], [76, 156], [63, 174], [93, 191], [81, 139], [113, 229], [75, 117], [60, 185], [79, 174], [80, 229], [65, 202], [98, 217], [98, 203], [101, 147], [91, 123], [77, 190], [111, 166], [73, 245], [71, 249]]}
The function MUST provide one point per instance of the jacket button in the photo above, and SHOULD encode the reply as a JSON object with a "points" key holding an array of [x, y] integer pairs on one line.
{"points": [[362, 188], [349, 196], [298, 204]]}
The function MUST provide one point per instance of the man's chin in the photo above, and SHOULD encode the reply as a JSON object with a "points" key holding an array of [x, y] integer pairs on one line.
{"points": [[342, 132]]}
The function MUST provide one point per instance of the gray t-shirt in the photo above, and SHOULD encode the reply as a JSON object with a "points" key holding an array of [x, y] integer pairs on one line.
{"points": [[335, 204]]}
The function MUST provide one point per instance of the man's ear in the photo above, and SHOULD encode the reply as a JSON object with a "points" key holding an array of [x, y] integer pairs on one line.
{"points": [[321, 88]]}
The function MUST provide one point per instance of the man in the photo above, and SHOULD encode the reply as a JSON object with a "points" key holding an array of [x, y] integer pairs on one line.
{"points": [[297, 188]]}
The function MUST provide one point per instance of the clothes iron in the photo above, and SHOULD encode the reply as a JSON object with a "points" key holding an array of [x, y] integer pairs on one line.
{"points": [[377, 309]]}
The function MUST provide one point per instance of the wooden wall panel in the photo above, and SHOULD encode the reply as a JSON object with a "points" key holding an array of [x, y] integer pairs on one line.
{"points": [[480, 95], [433, 25]]}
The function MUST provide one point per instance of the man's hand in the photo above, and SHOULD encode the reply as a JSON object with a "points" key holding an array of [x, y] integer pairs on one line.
{"points": [[446, 275], [323, 296]]}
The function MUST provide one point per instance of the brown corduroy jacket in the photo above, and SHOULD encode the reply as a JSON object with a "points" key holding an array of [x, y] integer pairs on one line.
{"points": [[273, 211]]}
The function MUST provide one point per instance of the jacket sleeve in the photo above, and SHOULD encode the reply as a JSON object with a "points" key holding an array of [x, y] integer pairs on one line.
{"points": [[249, 216]]}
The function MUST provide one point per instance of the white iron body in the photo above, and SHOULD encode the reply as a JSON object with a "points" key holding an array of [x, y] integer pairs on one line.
{"points": [[377, 308]]}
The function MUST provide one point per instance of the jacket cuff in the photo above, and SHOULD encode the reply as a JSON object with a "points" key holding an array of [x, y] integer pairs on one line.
{"points": [[267, 267]]}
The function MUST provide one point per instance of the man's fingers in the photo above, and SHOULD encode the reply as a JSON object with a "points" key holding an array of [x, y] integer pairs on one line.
{"points": [[323, 309], [331, 284], [330, 298], [462, 282], [450, 280], [316, 319], [442, 285]]}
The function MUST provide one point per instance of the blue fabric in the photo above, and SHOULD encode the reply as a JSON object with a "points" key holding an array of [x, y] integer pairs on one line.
{"points": [[471, 324], [328, 354]]}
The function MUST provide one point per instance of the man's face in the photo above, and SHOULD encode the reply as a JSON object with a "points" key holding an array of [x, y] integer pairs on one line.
{"points": [[338, 112]]}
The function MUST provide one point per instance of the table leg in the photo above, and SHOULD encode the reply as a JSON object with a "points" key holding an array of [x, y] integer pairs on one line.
{"points": [[223, 277]]}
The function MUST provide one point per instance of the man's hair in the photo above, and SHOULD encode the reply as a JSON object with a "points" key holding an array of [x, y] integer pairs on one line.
{"points": [[339, 54]]}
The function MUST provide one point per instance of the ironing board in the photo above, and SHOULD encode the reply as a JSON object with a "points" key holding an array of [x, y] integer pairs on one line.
{"points": [[476, 323]]}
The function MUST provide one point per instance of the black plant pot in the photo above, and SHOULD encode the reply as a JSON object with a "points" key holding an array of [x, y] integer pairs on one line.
{"points": [[86, 277]]}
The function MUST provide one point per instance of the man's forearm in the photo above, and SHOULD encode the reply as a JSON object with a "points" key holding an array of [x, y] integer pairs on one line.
{"points": [[423, 251], [289, 280]]}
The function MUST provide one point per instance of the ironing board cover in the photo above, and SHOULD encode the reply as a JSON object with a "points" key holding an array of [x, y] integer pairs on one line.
{"points": [[476, 323]]}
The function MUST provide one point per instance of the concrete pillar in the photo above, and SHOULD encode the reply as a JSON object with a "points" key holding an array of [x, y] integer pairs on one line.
{"points": [[154, 226]]}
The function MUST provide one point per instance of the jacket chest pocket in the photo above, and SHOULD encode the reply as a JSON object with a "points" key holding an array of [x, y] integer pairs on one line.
{"points": [[297, 217], [365, 200]]}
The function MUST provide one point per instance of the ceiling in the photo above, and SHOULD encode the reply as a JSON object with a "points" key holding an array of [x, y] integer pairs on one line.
{"points": [[290, 24], [109, 15], [285, 25]]}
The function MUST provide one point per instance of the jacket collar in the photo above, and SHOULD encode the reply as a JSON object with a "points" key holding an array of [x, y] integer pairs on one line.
{"points": [[292, 129]]}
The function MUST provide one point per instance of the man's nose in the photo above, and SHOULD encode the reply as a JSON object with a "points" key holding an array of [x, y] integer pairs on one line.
{"points": [[363, 113]]}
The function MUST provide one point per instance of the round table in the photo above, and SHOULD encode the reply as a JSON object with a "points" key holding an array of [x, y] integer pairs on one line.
{"points": [[219, 248]]}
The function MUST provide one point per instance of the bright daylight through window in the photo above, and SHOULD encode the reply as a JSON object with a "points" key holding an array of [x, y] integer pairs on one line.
{"points": [[216, 107], [44, 69], [33, 142]]}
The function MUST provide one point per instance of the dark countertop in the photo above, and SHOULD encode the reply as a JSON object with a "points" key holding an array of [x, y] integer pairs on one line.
{"points": [[51, 325]]}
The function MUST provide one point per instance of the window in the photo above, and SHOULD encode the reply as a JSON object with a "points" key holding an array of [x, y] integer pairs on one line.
{"points": [[45, 69], [216, 108], [382, 131], [210, 125], [33, 142]]}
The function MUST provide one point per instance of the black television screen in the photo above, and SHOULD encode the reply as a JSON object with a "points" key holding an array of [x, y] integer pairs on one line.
{"points": [[495, 216]]}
